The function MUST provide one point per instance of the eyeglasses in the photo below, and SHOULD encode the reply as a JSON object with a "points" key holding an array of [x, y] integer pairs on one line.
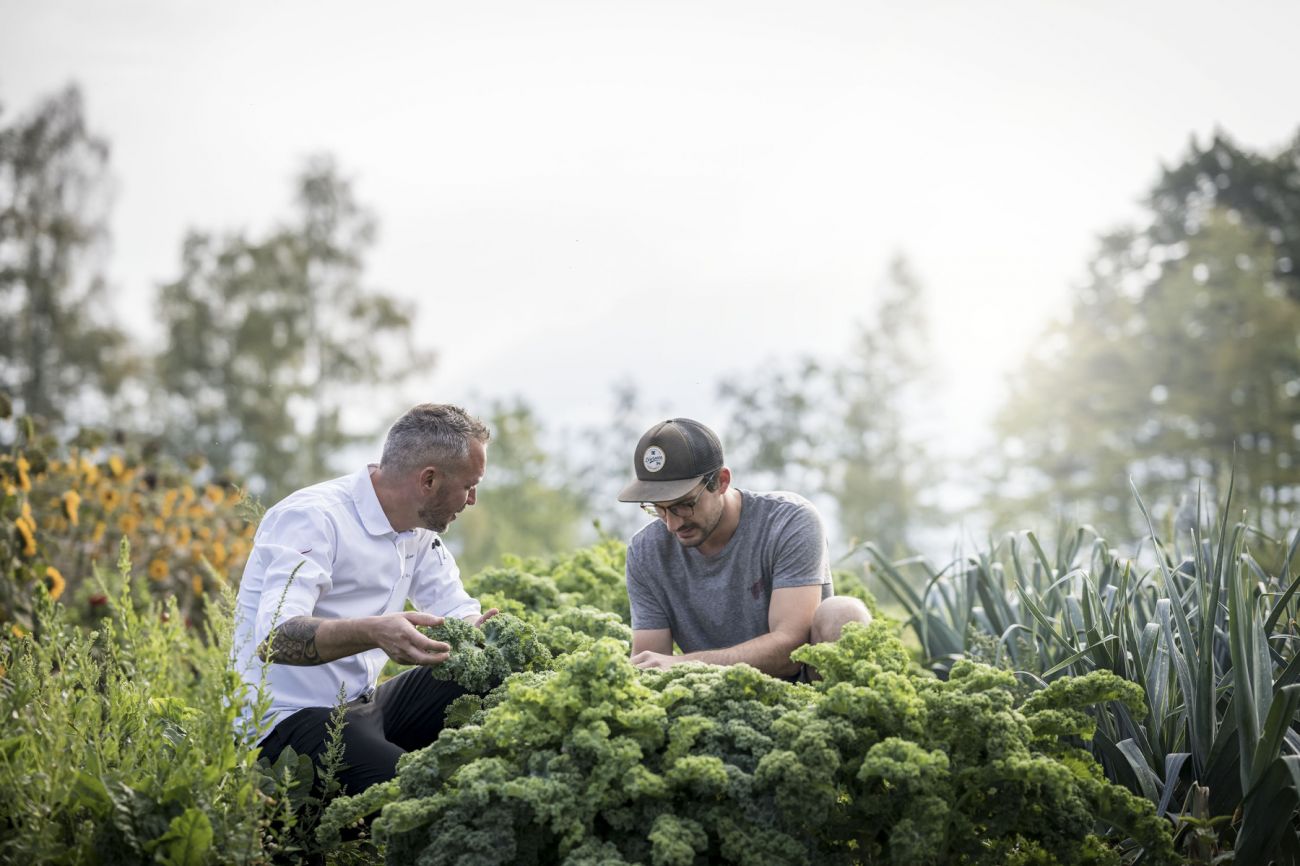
{"points": [[682, 509]]}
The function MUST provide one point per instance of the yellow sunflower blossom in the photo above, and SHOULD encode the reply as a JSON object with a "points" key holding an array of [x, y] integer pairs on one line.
{"points": [[219, 555], [187, 494], [71, 502], [128, 523], [27, 514], [90, 471], [158, 524], [57, 583], [116, 466], [18, 631], [205, 533], [158, 569], [238, 548], [24, 482], [169, 502], [100, 528], [28, 534], [10, 490], [215, 494], [110, 498], [196, 583], [184, 536]]}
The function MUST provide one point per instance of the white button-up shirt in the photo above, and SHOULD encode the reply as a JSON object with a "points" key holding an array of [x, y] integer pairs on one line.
{"points": [[329, 551]]}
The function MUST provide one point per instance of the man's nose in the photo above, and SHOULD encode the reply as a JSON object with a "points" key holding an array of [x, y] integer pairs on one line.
{"points": [[672, 521], [473, 496]]}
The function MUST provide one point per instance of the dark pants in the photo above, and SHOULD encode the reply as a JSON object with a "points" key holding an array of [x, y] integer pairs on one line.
{"points": [[404, 713]]}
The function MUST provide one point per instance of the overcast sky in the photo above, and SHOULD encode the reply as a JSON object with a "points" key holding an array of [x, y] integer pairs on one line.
{"points": [[573, 193]]}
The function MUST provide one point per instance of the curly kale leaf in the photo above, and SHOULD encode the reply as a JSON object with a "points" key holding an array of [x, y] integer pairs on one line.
{"points": [[577, 628], [482, 658]]}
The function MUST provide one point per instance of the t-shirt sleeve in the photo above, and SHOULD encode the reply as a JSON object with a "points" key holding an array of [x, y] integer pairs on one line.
{"points": [[647, 612], [802, 557], [436, 586], [297, 547]]}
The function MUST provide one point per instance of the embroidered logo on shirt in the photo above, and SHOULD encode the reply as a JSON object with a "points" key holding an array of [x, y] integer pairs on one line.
{"points": [[305, 552]]}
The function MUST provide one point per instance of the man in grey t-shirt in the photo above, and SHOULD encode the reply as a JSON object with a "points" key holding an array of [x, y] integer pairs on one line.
{"points": [[729, 575]]}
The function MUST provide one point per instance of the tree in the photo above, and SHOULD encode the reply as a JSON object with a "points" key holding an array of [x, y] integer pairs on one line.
{"points": [[1174, 357], [60, 354], [848, 427], [525, 505], [1262, 189], [269, 341]]}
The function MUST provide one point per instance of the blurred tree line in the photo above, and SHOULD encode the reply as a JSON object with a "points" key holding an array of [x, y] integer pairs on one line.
{"points": [[1178, 364], [1181, 346]]}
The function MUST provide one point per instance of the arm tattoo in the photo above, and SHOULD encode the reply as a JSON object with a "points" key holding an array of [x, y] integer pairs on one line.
{"points": [[293, 643]]}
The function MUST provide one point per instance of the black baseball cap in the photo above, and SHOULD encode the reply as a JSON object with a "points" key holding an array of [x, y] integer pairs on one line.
{"points": [[671, 459]]}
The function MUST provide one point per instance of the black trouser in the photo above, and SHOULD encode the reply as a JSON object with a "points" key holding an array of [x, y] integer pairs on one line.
{"points": [[404, 713]]}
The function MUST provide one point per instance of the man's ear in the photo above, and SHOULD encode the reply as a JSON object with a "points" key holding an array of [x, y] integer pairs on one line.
{"points": [[429, 479], [724, 479]]}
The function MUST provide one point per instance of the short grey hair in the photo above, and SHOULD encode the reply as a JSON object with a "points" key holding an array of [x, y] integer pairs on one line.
{"points": [[431, 433]]}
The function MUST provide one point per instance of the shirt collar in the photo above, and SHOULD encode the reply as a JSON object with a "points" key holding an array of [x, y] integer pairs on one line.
{"points": [[373, 519]]}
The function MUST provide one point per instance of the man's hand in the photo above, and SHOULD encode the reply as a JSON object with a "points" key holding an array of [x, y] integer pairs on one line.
{"points": [[653, 661], [478, 622], [396, 634]]}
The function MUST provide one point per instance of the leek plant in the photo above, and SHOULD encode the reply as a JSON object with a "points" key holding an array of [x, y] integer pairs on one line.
{"points": [[1207, 628]]}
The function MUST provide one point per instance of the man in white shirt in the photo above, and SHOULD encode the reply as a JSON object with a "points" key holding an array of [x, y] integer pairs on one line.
{"points": [[321, 602]]}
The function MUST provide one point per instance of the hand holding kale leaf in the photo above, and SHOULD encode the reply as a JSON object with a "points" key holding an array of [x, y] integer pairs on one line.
{"points": [[483, 657]]}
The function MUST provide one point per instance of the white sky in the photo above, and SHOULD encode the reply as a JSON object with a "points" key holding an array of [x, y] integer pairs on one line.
{"points": [[572, 193]]}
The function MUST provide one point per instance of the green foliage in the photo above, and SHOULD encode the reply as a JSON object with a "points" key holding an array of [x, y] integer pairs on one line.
{"points": [[1203, 639], [117, 744], [598, 762], [482, 657], [537, 587]]}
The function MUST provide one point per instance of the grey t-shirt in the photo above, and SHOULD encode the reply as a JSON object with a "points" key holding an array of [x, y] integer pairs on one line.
{"points": [[712, 602]]}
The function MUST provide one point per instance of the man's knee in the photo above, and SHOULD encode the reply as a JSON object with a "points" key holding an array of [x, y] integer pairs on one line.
{"points": [[834, 613]]}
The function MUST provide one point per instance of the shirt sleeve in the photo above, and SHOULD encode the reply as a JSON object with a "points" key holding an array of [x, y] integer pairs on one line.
{"points": [[436, 587], [802, 555], [297, 549], [647, 612]]}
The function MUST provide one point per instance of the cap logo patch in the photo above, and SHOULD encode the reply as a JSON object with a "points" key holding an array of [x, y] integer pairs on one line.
{"points": [[653, 458]]}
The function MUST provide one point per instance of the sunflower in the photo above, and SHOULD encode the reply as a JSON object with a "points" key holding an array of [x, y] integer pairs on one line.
{"points": [[24, 482], [18, 631], [57, 583], [100, 528], [116, 466], [219, 554], [169, 502], [110, 498], [128, 523], [215, 494], [71, 502], [184, 535], [196, 583], [29, 537], [158, 569]]}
